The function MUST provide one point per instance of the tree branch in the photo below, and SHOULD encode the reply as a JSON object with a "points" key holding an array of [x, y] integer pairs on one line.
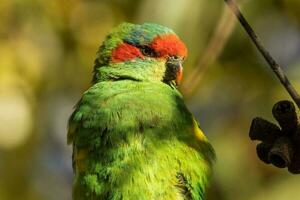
{"points": [[272, 63], [215, 46]]}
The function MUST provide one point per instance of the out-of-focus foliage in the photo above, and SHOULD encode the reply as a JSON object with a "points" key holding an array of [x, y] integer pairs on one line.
{"points": [[46, 57]]}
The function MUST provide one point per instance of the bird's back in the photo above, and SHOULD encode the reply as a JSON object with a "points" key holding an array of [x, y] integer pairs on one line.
{"points": [[137, 140]]}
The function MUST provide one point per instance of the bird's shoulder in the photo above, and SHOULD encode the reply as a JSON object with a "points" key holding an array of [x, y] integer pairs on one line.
{"points": [[111, 103]]}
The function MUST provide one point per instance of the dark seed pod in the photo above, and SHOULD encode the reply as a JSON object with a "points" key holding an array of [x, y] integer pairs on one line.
{"points": [[279, 146], [296, 137], [285, 113], [281, 153], [262, 151], [294, 167], [263, 130]]}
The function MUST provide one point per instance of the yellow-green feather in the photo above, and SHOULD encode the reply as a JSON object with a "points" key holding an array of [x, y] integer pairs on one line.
{"points": [[138, 138]]}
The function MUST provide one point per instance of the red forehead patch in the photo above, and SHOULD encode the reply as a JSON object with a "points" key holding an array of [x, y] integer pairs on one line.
{"points": [[126, 52], [169, 45]]}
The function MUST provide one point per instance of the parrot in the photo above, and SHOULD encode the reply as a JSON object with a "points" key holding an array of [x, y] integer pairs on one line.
{"points": [[133, 137]]}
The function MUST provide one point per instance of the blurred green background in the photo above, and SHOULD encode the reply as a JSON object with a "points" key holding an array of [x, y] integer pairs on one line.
{"points": [[47, 49]]}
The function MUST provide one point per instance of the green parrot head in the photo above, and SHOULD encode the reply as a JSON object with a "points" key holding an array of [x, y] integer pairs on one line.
{"points": [[146, 52]]}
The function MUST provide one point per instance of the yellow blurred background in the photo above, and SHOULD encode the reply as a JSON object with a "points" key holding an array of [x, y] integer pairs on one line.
{"points": [[47, 50]]}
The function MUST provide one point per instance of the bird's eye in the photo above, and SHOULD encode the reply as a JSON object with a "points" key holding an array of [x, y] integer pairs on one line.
{"points": [[147, 51]]}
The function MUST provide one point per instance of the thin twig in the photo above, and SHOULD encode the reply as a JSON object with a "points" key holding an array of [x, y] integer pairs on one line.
{"points": [[217, 42], [273, 64]]}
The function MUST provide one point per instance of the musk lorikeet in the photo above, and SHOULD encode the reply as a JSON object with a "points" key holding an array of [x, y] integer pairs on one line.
{"points": [[133, 137]]}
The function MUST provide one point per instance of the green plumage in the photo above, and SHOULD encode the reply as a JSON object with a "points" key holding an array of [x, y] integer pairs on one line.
{"points": [[133, 137]]}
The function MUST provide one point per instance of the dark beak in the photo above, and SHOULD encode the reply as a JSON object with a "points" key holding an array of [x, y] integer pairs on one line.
{"points": [[173, 71]]}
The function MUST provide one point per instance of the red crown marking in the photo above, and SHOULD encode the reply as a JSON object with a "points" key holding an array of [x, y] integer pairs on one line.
{"points": [[169, 45]]}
